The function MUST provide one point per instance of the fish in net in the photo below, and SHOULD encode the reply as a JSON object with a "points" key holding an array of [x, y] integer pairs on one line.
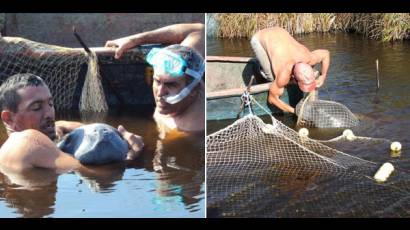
{"points": [[59, 67], [318, 113], [268, 170]]}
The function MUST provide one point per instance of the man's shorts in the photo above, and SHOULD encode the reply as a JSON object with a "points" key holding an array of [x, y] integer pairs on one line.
{"points": [[263, 58]]}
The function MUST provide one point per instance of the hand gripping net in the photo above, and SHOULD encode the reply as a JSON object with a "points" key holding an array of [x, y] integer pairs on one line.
{"points": [[267, 170], [58, 66]]}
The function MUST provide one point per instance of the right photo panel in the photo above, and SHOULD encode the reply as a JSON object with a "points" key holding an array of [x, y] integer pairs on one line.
{"points": [[307, 115]]}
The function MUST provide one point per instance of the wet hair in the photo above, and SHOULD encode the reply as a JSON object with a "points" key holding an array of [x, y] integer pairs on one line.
{"points": [[193, 59], [9, 98]]}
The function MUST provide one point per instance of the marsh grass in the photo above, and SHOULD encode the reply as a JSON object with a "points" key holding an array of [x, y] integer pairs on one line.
{"points": [[381, 26]]}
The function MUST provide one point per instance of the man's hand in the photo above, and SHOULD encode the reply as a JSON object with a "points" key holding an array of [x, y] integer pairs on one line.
{"points": [[134, 141], [320, 81], [121, 44], [60, 132], [64, 127]]}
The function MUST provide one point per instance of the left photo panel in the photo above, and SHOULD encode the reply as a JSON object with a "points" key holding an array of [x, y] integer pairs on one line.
{"points": [[103, 115]]}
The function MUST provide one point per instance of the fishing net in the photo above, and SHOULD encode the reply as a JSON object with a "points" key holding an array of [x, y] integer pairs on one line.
{"points": [[317, 113], [93, 97], [256, 169], [58, 66]]}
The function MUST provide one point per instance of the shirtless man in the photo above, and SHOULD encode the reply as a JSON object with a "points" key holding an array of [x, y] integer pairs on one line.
{"points": [[283, 58], [27, 112], [178, 86]]}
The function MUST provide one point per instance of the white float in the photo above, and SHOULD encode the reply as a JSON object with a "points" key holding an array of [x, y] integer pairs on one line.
{"points": [[384, 172]]}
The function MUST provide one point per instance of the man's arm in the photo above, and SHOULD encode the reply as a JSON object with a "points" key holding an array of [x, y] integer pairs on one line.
{"points": [[321, 56], [191, 35], [30, 149], [276, 90]]}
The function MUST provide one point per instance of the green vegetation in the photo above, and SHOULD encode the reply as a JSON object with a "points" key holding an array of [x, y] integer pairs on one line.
{"points": [[381, 26]]}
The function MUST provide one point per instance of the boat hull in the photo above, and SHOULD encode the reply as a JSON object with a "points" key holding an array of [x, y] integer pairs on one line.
{"points": [[227, 79]]}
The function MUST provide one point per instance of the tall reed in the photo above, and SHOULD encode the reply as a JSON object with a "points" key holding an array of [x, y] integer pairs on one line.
{"points": [[382, 26]]}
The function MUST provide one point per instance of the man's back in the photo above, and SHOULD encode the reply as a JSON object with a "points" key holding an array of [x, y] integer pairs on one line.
{"points": [[282, 47]]}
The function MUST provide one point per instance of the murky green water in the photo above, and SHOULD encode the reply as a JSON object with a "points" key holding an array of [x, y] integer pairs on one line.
{"points": [[132, 189], [352, 81]]}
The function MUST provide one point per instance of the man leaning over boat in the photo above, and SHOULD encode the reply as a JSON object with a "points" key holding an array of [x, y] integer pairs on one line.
{"points": [[283, 60]]}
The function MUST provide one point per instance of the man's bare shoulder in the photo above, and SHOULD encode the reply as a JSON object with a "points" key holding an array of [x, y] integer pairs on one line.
{"points": [[16, 150], [11, 154], [21, 137]]}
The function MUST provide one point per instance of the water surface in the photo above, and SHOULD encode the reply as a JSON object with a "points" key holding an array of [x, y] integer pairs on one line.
{"points": [[302, 189], [166, 181]]}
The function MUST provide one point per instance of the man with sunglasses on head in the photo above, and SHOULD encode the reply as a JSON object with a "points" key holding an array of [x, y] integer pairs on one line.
{"points": [[284, 60], [178, 85]]}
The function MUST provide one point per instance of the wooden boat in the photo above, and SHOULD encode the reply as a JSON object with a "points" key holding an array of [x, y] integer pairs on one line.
{"points": [[226, 80]]}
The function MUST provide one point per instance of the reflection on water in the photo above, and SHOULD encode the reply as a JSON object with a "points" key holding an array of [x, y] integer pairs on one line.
{"points": [[127, 189], [30, 194]]}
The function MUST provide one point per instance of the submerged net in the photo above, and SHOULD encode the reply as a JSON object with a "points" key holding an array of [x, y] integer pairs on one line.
{"points": [[267, 170], [58, 66], [324, 114]]}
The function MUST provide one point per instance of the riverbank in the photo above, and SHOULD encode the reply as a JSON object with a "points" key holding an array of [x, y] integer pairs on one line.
{"points": [[380, 26]]}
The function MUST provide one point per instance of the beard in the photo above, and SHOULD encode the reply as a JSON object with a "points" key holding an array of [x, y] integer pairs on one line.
{"points": [[48, 129]]}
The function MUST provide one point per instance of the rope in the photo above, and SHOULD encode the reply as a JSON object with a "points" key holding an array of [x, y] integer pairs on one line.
{"points": [[246, 100], [257, 103], [299, 121]]}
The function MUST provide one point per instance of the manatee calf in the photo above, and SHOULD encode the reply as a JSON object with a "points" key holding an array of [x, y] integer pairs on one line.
{"points": [[95, 144]]}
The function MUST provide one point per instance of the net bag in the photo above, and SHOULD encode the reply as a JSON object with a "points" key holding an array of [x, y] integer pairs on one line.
{"points": [[267, 170], [324, 114]]}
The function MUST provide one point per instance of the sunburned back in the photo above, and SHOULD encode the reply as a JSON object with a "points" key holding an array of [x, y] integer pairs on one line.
{"points": [[281, 46]]}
